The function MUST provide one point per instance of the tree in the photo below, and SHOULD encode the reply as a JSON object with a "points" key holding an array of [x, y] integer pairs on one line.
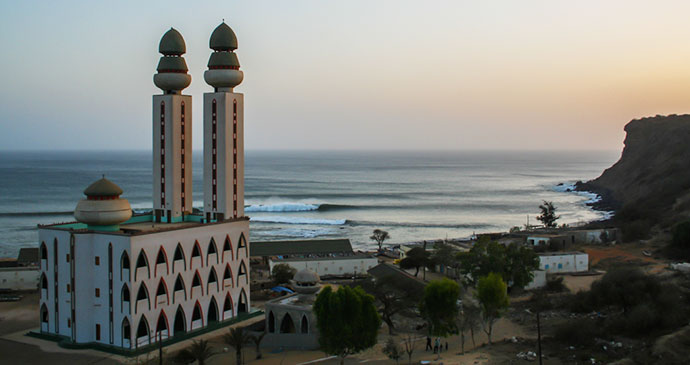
{"points": [[681, 235], [443, 256], [440, 306], [468, 320], [548, 214], [492, 294], [347, 321], [237, 338], [515, 263], [520, 264], [392, 350], [415, 258], [283, 273], [198, 351], [393, 297], [409, 342], [379, 236], [257, 342]]}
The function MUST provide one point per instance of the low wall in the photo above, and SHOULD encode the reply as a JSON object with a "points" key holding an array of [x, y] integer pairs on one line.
{"points": [[19, 278]]}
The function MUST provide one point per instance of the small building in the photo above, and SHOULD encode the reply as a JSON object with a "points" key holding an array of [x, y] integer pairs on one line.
{"points": [[383, 270], [19, 278], [538, 280], [28, 256], [563, 262], [547, 239], [290, 322], [354, 265], [301, 248]]}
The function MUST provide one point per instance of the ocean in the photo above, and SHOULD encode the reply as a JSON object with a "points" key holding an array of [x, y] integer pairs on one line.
{"points": [[326, 194]]}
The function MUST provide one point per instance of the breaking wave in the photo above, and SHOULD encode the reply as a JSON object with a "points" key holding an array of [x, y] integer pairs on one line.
{"points": [[294, 207], [298, 220]]}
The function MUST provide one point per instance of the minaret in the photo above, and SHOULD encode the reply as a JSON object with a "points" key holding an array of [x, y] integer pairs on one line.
{"points": [[172, 133], [223, 130]]}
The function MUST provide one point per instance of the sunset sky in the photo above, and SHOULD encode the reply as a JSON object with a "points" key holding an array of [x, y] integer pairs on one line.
{"points": [[351, 74]]}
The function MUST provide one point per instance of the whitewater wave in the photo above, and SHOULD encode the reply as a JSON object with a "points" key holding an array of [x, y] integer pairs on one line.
{"points": [[570, 188], [302, 233], [294, 207], [298, 220], [420, 225]]}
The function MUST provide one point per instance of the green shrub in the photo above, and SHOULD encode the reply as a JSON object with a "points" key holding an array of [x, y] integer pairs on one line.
{"points": [[681, 235], [581, 332], [555, 284], [635, 230], [580, 302], [641, 319]]}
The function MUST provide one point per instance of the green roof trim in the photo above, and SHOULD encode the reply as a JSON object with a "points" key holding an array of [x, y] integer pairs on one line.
{"points": [[302, 247]]}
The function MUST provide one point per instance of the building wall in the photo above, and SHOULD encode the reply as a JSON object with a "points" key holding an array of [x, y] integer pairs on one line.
{"points": [[566, 263], [19, 278], [356, 265], [299, 339], [538, 280]]}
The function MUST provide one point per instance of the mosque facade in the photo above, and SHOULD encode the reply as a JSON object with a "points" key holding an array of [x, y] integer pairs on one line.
{"points": [[125, 280]]}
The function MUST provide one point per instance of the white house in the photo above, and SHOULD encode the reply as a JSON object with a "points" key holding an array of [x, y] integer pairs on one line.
{"points": [[125, 281], [330, 266], [563, 262]]}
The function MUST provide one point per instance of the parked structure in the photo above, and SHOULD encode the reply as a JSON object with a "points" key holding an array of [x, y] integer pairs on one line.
{"points": [[125, 281], [563, 262]]}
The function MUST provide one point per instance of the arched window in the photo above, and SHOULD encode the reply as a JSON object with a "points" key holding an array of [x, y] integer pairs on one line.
{"points": [[124, 294], [161, 258], [143, 294], [124, 265], [227, 307], [44, 314], [242, 244], [143, 334], [305, 325], [227, 277], [44, 282], [227, 247], [180, 325], [196, 253], [242, 273], [162, 326], [243, 306], [142, 262], [197, 316], [271, 322], [162, 290], [196, 283], [44, 251], [212, 249], [212, 312], [126, 331], [179, 255], [212, 279], [179, 287], [287, 325]]}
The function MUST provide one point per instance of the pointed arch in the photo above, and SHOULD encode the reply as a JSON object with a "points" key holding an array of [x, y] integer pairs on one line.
{"points": [[44, 251], [126, 332], [227, 307], [227, 277], [180, 325], [162, 290], [124, 265], [197, 316], [124, 298], [243, 305], [227, 247], [286, 324], [44, 282], [196, 252], [304, 327], [142, 294], [179, 256], [242, 273], [242, 243], [212, 279], [143, 331], [271, 322], [179, 286], [162, 324], [212, 249], [161, 258], [196, 282], [44, 314], [212, 313], [142, 262]]}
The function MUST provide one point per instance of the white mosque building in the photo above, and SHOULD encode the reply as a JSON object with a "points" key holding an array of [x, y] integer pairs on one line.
{"points": [[125, 281]]}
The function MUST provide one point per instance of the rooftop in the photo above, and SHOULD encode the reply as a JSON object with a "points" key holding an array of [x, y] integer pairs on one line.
{"points": [[383, 269], [300, 247], [561, 253], [326, 258]]}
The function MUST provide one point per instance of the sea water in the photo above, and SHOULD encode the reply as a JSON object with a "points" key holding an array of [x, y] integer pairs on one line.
{"points": [[325, 194]]}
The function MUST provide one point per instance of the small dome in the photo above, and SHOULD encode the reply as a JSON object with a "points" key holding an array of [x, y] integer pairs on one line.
{"points": [[103, 187], [172, 43], [223, 60], [306, 276], [223, 39], [172, 64]]}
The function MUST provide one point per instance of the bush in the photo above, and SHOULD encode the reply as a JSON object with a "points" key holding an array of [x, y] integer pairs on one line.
{"points": [[555, 284], [580, 332], [283, 273], [580, 302], [681, 235], [635, 230]]}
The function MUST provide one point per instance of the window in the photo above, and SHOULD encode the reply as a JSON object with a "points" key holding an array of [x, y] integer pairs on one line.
{"points": [[67, 257], [68, 288], [98, 260], [98, 292], [98, 332], [44, 251], [69, 323]]}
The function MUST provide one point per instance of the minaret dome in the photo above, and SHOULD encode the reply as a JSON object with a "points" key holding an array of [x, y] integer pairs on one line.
{"points": [[103, 209], [172, 69], [223, 66]]}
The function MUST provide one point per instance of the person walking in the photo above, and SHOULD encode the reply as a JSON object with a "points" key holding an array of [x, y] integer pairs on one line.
{"points": [[428, 343], [436, 343]]}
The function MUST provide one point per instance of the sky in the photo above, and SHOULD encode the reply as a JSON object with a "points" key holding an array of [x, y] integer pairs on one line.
{"points": [[351, 75]]}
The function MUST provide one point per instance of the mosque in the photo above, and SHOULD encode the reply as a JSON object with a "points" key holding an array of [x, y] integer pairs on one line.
{"points": [[125, 280]]}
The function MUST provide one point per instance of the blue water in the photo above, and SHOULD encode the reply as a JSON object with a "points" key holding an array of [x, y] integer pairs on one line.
{"points": [[292, 195]]}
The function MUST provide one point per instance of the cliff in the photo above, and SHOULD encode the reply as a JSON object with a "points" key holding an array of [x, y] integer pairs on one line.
{"points": [[651, 181]]}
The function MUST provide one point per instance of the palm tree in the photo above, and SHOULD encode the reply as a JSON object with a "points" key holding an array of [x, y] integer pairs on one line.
{"points": [[257, 342], [199, 351], [237, 338]]}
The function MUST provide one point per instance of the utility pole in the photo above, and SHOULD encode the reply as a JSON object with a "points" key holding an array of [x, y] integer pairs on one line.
{"points": [[539, 338], [160, 348]]}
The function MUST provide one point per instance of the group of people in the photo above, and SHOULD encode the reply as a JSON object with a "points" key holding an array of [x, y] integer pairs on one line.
{"points": [[438, 346]]}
